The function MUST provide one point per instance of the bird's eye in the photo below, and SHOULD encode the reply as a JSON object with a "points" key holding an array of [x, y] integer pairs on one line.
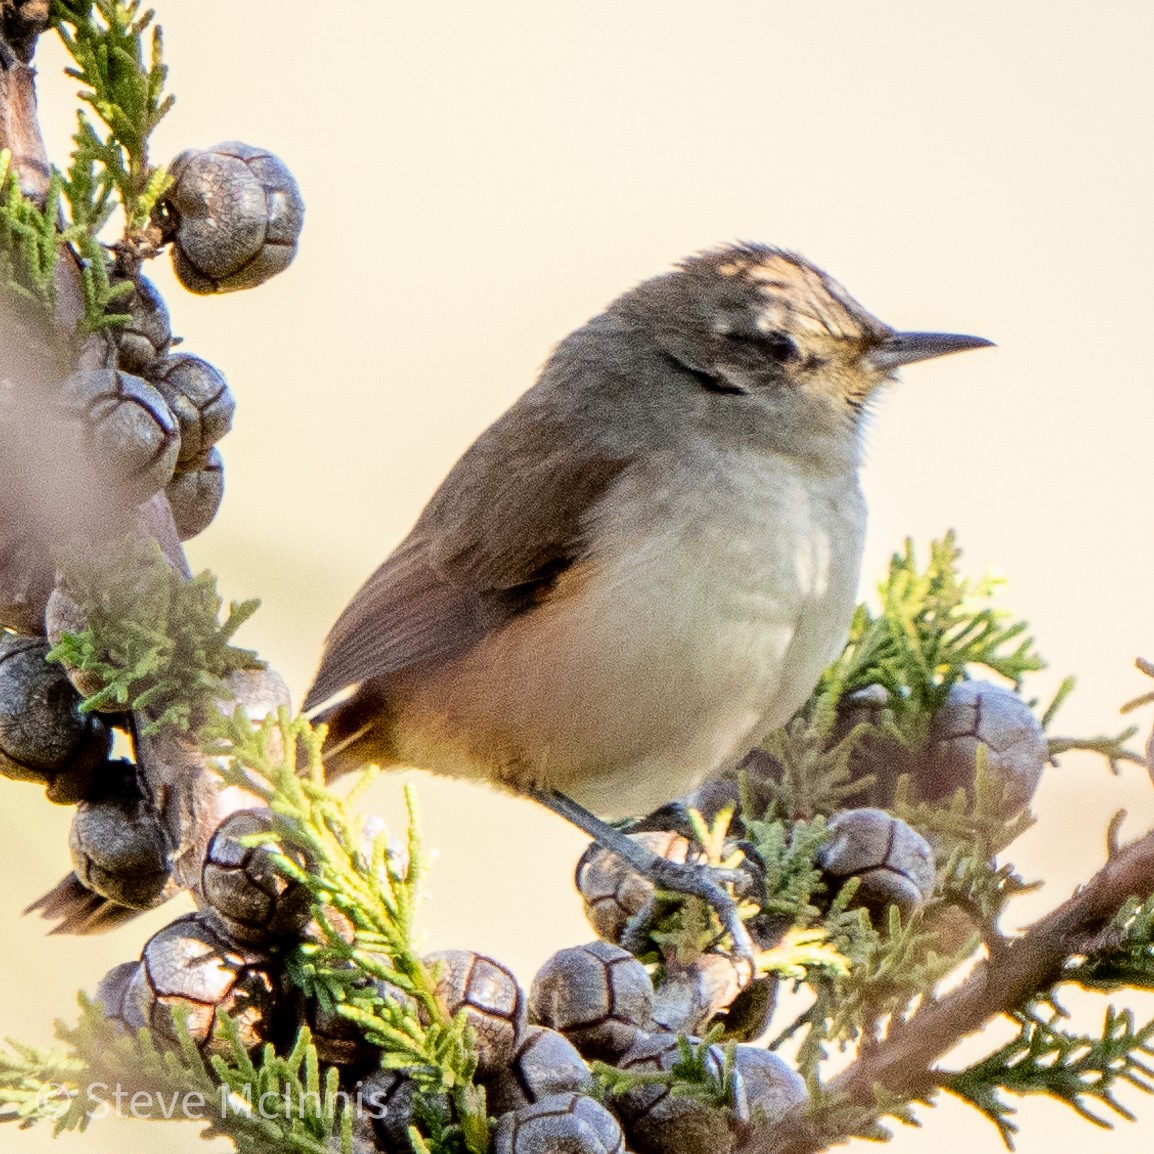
{"points": [[779, 347], [773, 346]]}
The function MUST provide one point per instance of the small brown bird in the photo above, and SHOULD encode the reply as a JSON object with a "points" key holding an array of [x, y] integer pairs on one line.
{"points": [[642, 567]]}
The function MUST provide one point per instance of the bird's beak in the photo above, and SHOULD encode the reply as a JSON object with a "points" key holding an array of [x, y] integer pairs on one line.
{"points": [[905, 348]]}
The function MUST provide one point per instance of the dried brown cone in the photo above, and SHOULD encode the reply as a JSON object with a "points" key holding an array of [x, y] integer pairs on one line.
{"points": [[598, 995], [493, 1002], [43, 735], [545, 1063], [128, 433], [692, 995], [112, 997], [147, 335], [200, 401], [195, 494], [339, 1040], [657, 1120], [892, 863], [560, 1124], [765, 1087], [237, 214], [255, 903], [978, 715], [385, 1109], [613, 891], [119, 849], [189, 965]]}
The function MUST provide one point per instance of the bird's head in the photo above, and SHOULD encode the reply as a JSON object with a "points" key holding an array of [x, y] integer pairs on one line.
{"points": [[753, 321]]}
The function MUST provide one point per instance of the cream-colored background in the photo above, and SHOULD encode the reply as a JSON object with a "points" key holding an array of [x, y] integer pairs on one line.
{"points": [[481, 178]]}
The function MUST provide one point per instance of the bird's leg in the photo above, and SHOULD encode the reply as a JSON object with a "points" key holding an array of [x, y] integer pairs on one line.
{"points": [[690, 878]]}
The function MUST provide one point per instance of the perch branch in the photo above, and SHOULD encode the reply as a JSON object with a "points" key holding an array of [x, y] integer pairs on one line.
{"points": [[904, 1065]]}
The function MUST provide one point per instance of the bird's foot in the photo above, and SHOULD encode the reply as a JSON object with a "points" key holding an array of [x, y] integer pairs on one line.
{"points": [[698, 880], [692, 878]]}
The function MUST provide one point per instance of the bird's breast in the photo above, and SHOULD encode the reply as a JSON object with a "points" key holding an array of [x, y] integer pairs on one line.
{"points": [[737, 579], [713, 593]]}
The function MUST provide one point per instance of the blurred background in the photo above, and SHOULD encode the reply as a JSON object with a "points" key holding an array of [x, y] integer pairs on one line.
{"points": [[480, 179]]}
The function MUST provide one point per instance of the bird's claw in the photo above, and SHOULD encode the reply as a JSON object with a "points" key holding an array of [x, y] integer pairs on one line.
{"points": [[704, 882]]}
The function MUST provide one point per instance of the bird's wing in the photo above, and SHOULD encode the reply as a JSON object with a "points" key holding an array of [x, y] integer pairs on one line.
{"points": [[505, 523]]}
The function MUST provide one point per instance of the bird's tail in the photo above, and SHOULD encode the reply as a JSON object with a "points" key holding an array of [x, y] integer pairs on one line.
{"points": [[77, 910], [358, 730]]}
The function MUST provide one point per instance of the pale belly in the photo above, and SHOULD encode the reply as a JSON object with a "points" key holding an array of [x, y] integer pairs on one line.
{"points": [[664, 658]]}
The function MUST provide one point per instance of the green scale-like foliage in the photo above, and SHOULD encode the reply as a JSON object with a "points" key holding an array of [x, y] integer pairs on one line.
{"points": [[864, 975], [1077, 1069], [152, 638], [364, 881], [933, 629], [109, 168]]}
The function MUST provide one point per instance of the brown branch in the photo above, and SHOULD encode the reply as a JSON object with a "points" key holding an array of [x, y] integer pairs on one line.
{"points": [[21, 22], [50, 494], [903, 1066]]}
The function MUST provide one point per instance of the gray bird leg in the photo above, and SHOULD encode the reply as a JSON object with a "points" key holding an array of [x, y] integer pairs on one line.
{"points": [[698, 881]]}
